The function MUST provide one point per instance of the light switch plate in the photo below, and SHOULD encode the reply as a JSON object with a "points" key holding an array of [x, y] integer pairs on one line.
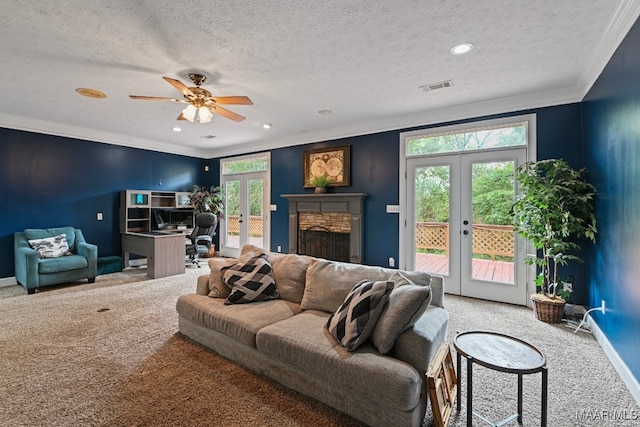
{"points": [[393, 208]]}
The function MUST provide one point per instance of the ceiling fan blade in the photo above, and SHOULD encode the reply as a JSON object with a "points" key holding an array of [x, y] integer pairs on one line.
{"points": [[181, 87], [155, 98], [226, 113], [238, 100]]}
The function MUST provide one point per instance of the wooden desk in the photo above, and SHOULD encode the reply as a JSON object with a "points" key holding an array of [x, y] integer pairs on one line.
{"points": [[165, 252]]}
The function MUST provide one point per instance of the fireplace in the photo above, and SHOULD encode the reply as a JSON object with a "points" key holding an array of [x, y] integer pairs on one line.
{"points": [[326, 225], [321, 242]]}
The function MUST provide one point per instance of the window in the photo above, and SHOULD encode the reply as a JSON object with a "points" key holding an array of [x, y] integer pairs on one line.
{"points": [[450, 140], [237, 165]]}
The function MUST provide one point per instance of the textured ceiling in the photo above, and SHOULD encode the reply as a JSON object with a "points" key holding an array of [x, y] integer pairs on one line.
{"points": [[365, 61]]}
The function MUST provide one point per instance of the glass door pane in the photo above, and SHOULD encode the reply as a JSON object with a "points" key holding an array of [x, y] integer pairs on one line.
{"points": [[256, 212], [492, 192], [232, 214], [432, 207]]}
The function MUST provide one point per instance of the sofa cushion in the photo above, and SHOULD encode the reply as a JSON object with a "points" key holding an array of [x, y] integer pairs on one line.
{"points": [[353, 322], [250, 281], [51, 247], [217, 288], [238, 321], [41, 233], [303, 343], [407, 302], [289, 270], [56, 265], [329, 282]]}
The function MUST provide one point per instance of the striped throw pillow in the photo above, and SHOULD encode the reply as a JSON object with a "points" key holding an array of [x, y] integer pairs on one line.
{"points": [[355, 319], [250, 281]]}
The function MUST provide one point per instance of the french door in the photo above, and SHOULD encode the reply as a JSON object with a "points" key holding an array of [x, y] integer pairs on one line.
{"points": [[246, 217], [457, 224]]}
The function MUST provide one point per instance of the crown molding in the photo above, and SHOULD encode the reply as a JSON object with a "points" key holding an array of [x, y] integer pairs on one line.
{"points": [[75, 132], [623, 18]]}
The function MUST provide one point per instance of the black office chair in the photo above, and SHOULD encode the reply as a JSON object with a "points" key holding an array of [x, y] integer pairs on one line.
{"points": [[202, 236]]}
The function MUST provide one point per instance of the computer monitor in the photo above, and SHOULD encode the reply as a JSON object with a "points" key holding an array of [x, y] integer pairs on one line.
{"points": [[161, 221]]}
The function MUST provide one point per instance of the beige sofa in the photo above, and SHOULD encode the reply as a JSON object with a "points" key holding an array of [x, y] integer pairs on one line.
{"points": [[287, 340]]}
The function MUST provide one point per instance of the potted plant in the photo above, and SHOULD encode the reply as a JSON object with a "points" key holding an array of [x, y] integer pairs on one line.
{"points": [[206, 199], [553, 210], [321, 182]]}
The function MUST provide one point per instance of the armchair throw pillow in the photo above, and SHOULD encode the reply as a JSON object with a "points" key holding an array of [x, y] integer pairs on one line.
{"points": [[250, 281], [51, 247], [353, 322]]}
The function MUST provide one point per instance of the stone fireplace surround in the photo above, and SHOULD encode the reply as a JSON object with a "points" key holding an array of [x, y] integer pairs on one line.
{"points": [[351, 203]]}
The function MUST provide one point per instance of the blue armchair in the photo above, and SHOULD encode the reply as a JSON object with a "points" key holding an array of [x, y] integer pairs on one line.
{"points": [[33, 271]]}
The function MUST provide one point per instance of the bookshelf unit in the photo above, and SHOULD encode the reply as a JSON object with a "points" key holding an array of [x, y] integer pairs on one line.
{"points": [[138, 209]]}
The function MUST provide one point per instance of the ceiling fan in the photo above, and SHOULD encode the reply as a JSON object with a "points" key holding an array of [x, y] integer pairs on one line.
{"points": [[201, 102]]}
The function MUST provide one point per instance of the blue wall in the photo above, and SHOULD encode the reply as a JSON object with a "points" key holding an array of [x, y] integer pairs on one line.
{"points": [[48, 181], [612, 153]]}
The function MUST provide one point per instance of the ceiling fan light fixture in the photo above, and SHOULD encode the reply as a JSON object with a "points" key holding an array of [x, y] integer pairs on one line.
{"points": [[204, 115], [189, 112]]}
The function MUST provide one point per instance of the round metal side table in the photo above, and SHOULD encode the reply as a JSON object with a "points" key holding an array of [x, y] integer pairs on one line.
{"points": [[500, 353]]}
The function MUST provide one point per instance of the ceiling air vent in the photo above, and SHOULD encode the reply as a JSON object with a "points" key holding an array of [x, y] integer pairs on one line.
{"points": [[439, 85]]}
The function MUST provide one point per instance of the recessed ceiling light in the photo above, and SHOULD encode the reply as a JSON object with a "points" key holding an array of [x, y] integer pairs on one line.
{"points": [[176, 129], [266, 126], [91, 93], [324, 112], [461, 49]]}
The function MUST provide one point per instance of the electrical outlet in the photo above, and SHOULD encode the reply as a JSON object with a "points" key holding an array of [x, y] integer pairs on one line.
{"points": [[99, 216], [603, 307], [392, 262], [567, 286], [279, 248]]}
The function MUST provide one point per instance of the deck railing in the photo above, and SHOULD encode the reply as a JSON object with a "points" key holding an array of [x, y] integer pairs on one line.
{"points": [[256, 227], [488, 239]]}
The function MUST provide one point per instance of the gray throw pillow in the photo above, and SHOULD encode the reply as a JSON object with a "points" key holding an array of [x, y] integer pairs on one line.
{"points": [[354, 320], [407, 302]]}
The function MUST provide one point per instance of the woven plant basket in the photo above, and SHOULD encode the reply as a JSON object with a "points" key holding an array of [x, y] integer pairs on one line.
{"points": [[548, 310]]}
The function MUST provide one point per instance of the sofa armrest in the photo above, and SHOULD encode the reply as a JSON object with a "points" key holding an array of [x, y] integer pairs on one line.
{"points": [[417, 346], [437, 291], [202, 287]]}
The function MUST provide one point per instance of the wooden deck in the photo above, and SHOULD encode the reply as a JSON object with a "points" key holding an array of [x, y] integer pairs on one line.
{"points": [[483, 269]]}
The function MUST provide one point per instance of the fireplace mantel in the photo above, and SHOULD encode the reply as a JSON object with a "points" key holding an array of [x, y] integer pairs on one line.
{"points": [[351, 203]]}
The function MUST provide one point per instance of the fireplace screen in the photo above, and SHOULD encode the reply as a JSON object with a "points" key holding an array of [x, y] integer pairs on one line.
{"points": [[321, 242]]}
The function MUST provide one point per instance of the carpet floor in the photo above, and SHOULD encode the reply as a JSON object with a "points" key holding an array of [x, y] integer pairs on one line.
{"points": [[108, 354]]}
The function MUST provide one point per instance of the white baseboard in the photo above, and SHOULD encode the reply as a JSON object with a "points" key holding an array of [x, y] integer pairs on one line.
{"points": [[625, 374], [8, 281]]}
